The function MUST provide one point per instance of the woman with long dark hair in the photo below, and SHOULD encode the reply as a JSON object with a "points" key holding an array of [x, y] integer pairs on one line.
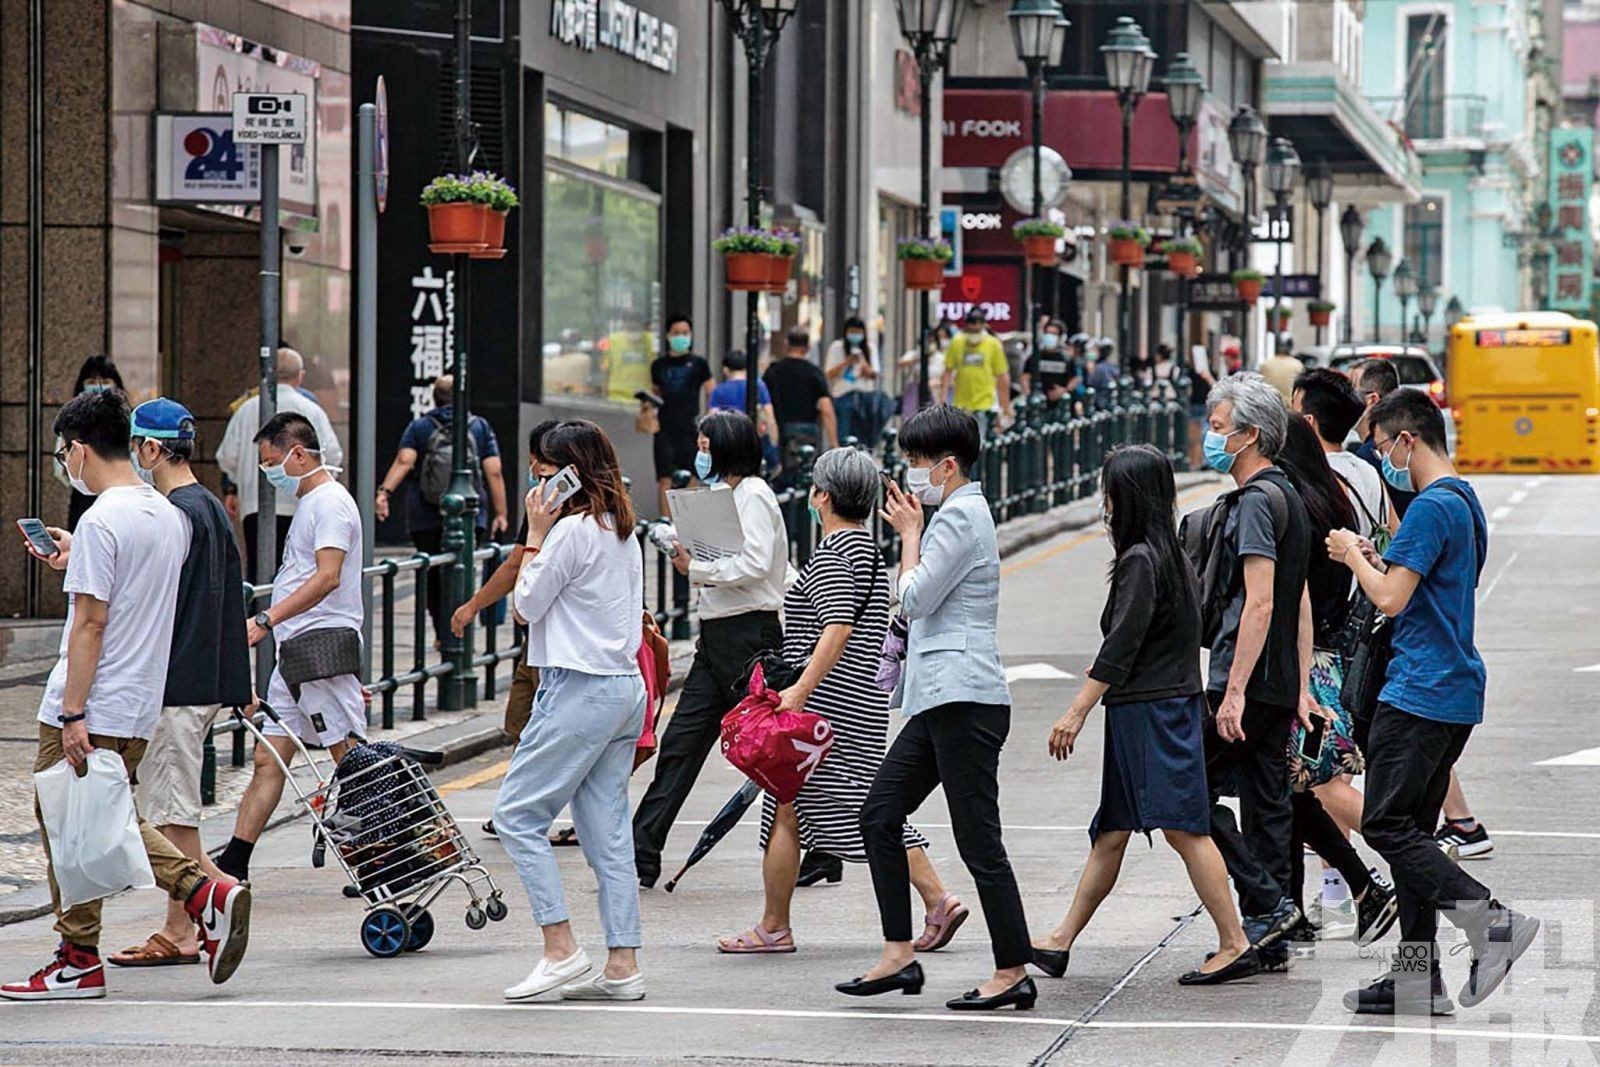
{"points": [[1336, 756], [1148, 676], [97, 374], [852, 367], [581, 592]]}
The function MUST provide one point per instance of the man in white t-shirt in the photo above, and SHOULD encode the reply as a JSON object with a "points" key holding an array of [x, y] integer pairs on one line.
{"points": [[105, 693], [318, 587], [1326, 400]]}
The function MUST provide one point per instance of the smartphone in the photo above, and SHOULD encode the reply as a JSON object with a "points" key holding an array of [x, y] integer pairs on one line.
{"points": [[1311, 740], [561, 485], [39, 537], [648, 398]]}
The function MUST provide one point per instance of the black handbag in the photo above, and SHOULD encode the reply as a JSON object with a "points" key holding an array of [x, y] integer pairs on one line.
{"points": [[325, 652], [1366, 645]]}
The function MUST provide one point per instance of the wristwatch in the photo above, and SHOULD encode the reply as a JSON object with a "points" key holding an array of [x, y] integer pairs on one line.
{"points": [[263, 620]]}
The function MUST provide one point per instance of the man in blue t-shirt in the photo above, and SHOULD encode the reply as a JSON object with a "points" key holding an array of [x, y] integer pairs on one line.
{"points": [[730, 395], [1431, 700]]}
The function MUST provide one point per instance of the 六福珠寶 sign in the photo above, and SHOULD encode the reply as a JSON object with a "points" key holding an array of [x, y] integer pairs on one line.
{"points": [[617, 26], [432, 328]]}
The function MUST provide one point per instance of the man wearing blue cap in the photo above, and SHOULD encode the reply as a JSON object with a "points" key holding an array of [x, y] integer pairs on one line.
{"points": [[209, 666]]}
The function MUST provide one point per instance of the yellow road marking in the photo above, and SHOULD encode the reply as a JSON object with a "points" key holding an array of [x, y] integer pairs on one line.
{"points": [[476, 778], [1090, 535]]}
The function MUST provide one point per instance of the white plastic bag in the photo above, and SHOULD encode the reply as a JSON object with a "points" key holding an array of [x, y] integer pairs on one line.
{"points": [[95, 846]]}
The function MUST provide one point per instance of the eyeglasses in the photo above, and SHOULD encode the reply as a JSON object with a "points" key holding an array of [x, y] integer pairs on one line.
{"points": [[60, 455], [1384, 447]]}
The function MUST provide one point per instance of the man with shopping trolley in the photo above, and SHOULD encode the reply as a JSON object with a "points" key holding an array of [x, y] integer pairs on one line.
{"points": [[315, 617]]}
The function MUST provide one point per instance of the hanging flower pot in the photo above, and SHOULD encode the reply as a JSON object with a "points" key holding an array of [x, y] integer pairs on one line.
{"points": [[1183, 256], [467, 214], [457, 226], [1278, 318], [922, 261], [1125, 244], [782, 261], [747, 256], [1320, 312], [494, 236], [1248, 282], [1039, 237]]}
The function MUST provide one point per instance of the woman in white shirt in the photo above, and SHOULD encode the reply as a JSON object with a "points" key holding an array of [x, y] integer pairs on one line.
{"points": [[739, 601], [581, 592]]}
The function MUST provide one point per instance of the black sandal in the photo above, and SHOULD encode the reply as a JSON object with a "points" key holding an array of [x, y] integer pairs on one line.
{"points": [[562, 838]]}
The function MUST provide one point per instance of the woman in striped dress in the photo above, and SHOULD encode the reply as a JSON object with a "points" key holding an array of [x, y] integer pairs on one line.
{"points": [[835, 618]]}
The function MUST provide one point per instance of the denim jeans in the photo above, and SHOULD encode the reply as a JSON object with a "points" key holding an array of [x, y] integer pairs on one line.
{"points": [[577, 748]]}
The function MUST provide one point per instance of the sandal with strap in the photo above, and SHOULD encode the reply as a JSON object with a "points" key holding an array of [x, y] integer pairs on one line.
{"points": [[941, 924], [157, 951], [566, 837], [758, 941]]}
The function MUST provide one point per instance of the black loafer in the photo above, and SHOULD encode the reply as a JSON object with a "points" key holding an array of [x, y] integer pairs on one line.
{"points": [[1248, 964], [907, 980], [1021, 996], [1052, 961], [820, 867]]}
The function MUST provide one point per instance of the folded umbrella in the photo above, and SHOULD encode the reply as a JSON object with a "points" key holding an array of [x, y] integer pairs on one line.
{"points": [[718, 827]]}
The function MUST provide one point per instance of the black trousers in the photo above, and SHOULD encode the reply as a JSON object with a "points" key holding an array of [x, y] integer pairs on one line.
{"points": [[1408, 771], [1315, 827], [256, 577], [1256, 770], [710, 691], [957, 745]]}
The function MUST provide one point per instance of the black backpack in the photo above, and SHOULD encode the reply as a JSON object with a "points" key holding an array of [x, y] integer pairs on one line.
{"points": [[1215, 564], [436, 464]]}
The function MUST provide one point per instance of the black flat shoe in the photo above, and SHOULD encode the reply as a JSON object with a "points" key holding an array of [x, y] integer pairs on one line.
{"points": [[647, 869], [819, 867], [1248, 964], [907, 980], [1022, 995], [1052, 961]]}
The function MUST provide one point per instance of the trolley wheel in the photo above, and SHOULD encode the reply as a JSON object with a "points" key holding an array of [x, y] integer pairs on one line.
{"points": [[351, 892], [420, 923], [385, 932], [495, 908], [476, 919]]}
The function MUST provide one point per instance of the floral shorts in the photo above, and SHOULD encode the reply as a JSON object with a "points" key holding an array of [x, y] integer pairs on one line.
{"points": [[1339, 752]]}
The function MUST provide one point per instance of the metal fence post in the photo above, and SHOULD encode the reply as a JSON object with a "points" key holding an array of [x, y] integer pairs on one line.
{"points": [[390, 569], [419, 635], [804, 532], [680, 582]]}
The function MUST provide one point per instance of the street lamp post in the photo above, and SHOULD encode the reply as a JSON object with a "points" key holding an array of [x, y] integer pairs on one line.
{"points": [[1379, 259], [1427, 301], [1319, 191], [1129, 60], [1283, 170], [1186, 90], [1539, 275], [930, 28], [1453, 313], [1350, 225], [1405, 287], [757, 24], [1247, 138], [1038, 29]]}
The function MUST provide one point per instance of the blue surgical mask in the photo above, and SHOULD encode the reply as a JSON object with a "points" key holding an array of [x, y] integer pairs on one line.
{"points": [[816, 516], [97, 387], [148, 477], [1050, 342], [534, 481], [702, 467], [283, 481], [1215, 447], [680, 343], [854, 337], [1397, 477]]}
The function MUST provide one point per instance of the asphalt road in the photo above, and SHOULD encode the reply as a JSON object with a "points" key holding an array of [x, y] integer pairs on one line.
{"points": [[309, 993]]}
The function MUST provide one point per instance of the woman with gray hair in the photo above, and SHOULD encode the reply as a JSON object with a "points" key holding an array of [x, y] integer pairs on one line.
{"points": [[835, 618]]}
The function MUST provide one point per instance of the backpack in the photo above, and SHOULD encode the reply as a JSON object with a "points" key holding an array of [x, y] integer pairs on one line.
{"points": [[437, 463], [655, 666], [1201, 533]]}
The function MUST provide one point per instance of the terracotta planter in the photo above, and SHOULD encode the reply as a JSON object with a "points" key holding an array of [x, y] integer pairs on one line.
{"points": [[748, 272], [1185, 263], [457, 227], [1320, 316], [923, 273], [494, 236], [1040, 251], [1278, 323], [1126, 252], [1249, 291], [778, 273]]}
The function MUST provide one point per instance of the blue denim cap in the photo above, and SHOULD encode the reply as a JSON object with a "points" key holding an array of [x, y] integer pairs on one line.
{"points": [[164, 420]]}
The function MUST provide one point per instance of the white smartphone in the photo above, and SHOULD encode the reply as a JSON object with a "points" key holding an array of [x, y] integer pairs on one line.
{"points": [[561, 485], [39, 537]]}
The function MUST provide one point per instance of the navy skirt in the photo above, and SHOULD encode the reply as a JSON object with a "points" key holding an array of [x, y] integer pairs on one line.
{"points": [[1155, 768]]}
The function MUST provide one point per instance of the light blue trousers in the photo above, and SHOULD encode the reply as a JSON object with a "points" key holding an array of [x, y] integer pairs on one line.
{"points": [[576, 749]]}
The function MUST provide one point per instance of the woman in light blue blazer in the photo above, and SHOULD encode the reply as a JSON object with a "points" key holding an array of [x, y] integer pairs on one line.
{"points": [[955, 696]]}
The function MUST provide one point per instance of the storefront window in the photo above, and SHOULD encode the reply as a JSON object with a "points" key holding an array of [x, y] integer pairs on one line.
{"points": [[591, 143]]}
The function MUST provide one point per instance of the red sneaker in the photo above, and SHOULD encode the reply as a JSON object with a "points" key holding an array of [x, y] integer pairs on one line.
{"points": [[76, 974], [222, 912]]}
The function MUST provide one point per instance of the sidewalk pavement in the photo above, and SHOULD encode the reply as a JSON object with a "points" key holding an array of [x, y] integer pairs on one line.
{"points": [[453, 736]]}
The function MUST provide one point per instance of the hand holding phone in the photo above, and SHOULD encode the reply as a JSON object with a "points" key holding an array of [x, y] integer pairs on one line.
{"points": [[38, 539], [1311, 740], [561, 486]]}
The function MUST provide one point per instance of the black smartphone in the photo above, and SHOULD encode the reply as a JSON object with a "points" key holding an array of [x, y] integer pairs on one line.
{"points": [[39, 537], [1311, 740]]}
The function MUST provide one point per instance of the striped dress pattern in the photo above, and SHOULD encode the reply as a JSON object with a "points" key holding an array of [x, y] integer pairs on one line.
{"points": [[830, 592]]}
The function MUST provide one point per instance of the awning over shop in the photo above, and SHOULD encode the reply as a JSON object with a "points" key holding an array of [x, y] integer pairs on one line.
{"points": [[1316, 107]]}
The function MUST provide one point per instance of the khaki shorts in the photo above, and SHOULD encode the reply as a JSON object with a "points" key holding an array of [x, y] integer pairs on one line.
{"points": [[519, 702], [168, 792]]}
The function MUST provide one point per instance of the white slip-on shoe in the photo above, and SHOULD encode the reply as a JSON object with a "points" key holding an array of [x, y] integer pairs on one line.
{"points": [[602, 988], [548, 975]]}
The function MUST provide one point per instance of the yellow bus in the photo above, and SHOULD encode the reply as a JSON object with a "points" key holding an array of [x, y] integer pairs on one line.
{"points": [[1525, 393]]}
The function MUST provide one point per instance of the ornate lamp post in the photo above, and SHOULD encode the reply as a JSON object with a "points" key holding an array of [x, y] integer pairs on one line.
{"points": [[1283, 170], [1038, 29], [930, 28], [1539, 275], [1186, 90], [757, 24], [1379, 260], [1405, 287], [1427, 301], [1129, 60], [1247, 138], [1319, 191], [1350, 225]]}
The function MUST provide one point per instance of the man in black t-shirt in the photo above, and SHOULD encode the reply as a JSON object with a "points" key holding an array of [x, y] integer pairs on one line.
{"points": [[802, 404], [1050, 370], [1260, 668], [683, 381], [210, 663]]}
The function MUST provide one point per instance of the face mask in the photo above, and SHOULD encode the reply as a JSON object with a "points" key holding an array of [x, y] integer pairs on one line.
{"points": [[973, 336], [919, 483], [1218, 458], [855, 338], [680, 342], [816, 515], [1105, 518], [76, 481], [1397, 477], [148, 477], [534, 480], [1050, 342], [97, 387], [283, 481], [702, 467]]}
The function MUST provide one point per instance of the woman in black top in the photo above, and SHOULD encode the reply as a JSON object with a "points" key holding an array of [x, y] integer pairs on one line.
{"points": [[1148, 676]]}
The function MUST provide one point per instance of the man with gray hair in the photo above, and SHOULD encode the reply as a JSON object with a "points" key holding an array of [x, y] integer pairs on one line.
{"points": [[1260, 653]]}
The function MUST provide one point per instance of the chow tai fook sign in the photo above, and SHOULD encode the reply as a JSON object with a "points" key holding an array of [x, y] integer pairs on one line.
{"points": [[1571, 178], [993, 288], [616, 26]]}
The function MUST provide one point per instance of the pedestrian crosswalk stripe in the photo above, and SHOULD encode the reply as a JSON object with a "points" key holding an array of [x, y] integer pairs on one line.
{"points": [[1037, 672], [1584, 757], [1595, 669]]}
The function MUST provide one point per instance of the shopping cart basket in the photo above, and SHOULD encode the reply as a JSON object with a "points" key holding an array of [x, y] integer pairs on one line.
{"points": [[399, 846]]}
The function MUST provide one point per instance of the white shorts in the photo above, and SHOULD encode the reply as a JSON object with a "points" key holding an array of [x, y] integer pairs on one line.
{"points": [[169, 775], [328, 712]]}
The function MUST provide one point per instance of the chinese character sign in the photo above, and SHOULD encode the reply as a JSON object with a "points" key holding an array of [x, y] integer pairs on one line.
{"points": [[1571, 176], [433, 301]]}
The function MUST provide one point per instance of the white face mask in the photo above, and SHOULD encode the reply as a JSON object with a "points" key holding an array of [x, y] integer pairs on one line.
{"points": [[76, 481], [919, 483]]}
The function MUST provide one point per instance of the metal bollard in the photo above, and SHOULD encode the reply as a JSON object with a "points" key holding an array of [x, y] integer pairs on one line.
{"points": [[680, 582]]}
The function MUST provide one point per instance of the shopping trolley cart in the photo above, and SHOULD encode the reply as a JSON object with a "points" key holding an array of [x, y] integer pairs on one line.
{"points": [[400, 847]]}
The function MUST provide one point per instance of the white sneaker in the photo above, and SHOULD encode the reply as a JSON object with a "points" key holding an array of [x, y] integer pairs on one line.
{"points": [[1338, 920], [547, 976], [602, 988]]}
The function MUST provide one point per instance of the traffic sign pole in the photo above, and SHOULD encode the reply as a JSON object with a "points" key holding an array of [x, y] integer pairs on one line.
{"points": [[266, 497]]}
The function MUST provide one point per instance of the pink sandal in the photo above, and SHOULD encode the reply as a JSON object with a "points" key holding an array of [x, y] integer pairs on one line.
{"points": [[941, 924], [764, 942]]}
